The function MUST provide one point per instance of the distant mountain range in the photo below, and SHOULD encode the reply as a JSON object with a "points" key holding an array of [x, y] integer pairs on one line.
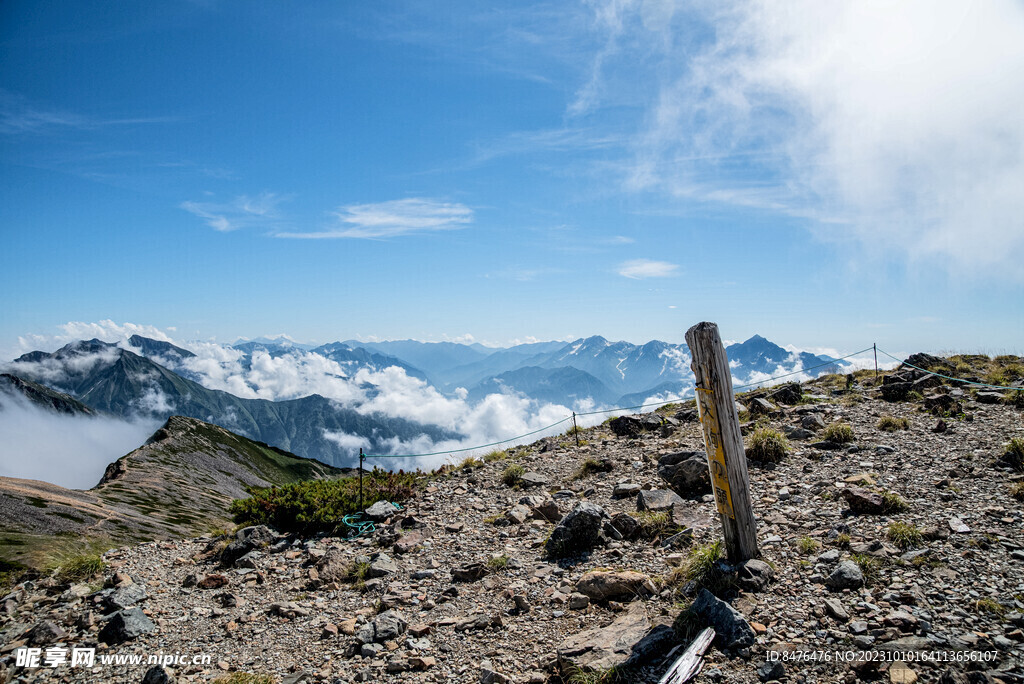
{"points": [[162, 379], [116, 381]]}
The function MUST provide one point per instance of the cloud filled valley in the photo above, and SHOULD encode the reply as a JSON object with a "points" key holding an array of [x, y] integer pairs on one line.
{"points": [[327, 402]]}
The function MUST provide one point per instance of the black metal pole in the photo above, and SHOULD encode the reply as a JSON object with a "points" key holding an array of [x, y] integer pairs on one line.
{"points": [[361, 458], [874, 348], [575, 429]]}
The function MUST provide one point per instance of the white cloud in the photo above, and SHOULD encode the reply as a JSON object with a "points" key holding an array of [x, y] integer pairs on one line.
{"points": [[241, 212], [895, 128], [647, 268], [70, 451], [392, 219]]}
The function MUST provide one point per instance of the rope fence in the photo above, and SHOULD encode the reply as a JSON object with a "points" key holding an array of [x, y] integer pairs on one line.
{"points": [[759, 383]]}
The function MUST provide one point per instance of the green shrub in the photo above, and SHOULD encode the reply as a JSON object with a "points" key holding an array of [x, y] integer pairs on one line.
{"points": [[80, 568], [903, 535], [512, 475], [1014, 399], [842, 540], [840, 433], [767, 445], [319, 505], [892, 424]]}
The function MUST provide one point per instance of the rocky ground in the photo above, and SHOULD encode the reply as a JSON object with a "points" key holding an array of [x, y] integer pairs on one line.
{"points": [[460, 585]]}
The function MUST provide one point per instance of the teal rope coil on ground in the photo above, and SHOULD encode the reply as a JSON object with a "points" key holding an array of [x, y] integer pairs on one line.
{"points": [[362, 528], [947, 377]]}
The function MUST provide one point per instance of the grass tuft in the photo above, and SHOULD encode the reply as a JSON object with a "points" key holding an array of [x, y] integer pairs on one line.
{"points": [[1017, 491], [893, 502], [80, 568], [991, 606], [498, 562], [1013, 454], [869, 566], [767, 445], [512, 475], [807, 546], [903, 535], [892, 424], [497, 455], [591, 466], [840, 433]]}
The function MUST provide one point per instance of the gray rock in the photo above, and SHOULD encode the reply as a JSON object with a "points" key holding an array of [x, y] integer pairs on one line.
{"points": [[847, 575], [755, 575], [835, 608], [796, 433], [45, 632], [731, 628], [542, 508], [771, 671], [864, 501], [385, 627], [125, 625], [989, 397], [578, 532], [657, 500], [603, 648], [829, 557], [380, 511], [812, 421], [532, 479], [518, 514], [157, 675], [124, 596], [625, 489], [634, 426], [686, 472], [382, 566]]}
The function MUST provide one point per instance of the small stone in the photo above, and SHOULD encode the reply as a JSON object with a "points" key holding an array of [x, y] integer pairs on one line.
{"points": [[771, 671], [847, 575], [213, 582], [900, 673], [958, 526]]}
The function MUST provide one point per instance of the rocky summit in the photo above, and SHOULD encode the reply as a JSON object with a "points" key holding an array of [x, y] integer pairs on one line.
{"points": [[889, 525]]}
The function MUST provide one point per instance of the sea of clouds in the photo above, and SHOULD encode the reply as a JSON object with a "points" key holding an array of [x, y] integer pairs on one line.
{"points": [[90, 444]]}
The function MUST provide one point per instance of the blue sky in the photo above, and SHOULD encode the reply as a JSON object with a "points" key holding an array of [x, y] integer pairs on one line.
{"points": [[824, 174]]}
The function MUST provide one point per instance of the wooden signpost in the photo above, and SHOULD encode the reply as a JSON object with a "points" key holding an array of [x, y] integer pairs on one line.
{"points": [[723, 441]]}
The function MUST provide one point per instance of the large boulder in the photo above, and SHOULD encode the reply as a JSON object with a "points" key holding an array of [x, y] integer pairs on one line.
{"points": [[686, 472], [247, 540], [789, 394], [387, 626], [657, 500], [614, 585], [634, 426], [334, 566], [125, 625], [629, 640], [731, 628], [124, 597], [863, 500], [847, 575], [578, 532]]}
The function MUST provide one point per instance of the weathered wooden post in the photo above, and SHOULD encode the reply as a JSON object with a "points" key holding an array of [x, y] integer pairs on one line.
{"points": [[723, 441]]}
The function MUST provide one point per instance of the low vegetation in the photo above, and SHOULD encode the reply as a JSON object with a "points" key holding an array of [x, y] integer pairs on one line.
{"points": [[655, 524], [767, 446], [893, 502], [870, 567], [320, 505], [471, 462], [497, 455], [991, 606], [1017, 491], [892, 424], [1013, 454], [245, 678], [903, 535], [807, 546], [80, 568], [840, 433], [512, 475], [702, 568], [591, 466]]}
